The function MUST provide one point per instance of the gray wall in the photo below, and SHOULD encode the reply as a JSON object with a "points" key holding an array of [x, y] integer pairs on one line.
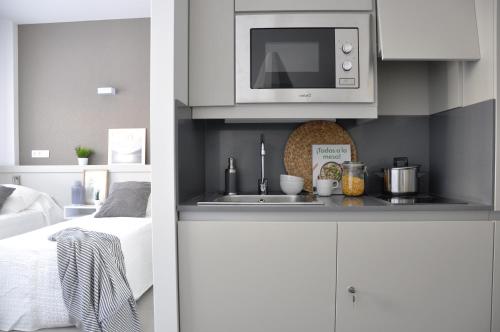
{"points": [[378, 141], [61, 65], [462, 152]]}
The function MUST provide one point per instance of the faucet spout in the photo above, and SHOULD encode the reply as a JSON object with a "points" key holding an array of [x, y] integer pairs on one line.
{"points": [[263, 187]]}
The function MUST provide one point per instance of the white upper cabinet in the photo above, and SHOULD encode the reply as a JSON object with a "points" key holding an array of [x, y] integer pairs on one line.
{"points": [[428, 30], [287, 5], [211, 53]]}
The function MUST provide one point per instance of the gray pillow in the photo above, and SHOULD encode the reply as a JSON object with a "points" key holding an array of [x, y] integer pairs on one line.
{"points": [[5, 192], [126, 199]]}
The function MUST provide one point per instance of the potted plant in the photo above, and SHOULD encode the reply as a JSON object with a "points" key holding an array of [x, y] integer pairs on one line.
{"points": [[83, 155]]}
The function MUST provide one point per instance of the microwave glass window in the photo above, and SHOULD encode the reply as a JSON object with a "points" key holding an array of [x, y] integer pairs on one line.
{"points": [[292, 58], [300, 57]]}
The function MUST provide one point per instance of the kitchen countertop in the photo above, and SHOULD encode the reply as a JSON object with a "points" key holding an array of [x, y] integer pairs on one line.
{"points": [[336, 208]]}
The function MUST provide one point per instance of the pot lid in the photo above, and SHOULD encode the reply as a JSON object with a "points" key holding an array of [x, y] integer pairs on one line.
{"points": [[402, 168], [401, 163]]}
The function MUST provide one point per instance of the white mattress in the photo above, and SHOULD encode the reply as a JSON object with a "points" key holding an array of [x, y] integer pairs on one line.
{"points": [[18, 223], [30, 290]]}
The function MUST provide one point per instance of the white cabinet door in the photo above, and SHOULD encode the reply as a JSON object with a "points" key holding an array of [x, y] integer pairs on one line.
{"points": [[414, 276], [211, 52], [287, 5], [257, 276], [428, 30]]}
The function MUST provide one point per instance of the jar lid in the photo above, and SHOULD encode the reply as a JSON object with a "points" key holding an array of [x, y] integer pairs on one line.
{"points": [[353, 164]]}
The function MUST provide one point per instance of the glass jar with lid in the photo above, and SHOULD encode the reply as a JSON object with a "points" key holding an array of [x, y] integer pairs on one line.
{"points": [[353, 178]]}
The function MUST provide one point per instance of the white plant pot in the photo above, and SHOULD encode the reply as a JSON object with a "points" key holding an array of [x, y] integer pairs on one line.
{"points": [[83, 161]]}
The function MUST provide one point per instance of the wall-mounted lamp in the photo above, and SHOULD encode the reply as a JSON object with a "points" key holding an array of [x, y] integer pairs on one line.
{"points": [[106, 91]]}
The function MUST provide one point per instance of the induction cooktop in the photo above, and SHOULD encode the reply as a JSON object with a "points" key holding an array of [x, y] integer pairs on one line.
{"points": [[418, 200]]}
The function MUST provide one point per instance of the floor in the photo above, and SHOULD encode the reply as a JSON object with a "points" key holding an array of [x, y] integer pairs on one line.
{"points": [[144, 308]]}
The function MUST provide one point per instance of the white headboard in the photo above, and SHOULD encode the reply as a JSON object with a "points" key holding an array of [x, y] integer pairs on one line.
{"points": [[57, 180]]}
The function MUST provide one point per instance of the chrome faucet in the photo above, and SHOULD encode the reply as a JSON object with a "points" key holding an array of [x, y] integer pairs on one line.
{"points": [[263, 187]]}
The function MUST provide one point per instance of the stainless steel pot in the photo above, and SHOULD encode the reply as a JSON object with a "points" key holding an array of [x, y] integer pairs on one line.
{"points": [[401, 179]]}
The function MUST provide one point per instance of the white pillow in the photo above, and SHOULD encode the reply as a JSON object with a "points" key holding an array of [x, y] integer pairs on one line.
{"points": [[20, 199]]}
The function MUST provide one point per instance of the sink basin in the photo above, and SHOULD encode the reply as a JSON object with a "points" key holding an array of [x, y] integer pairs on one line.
{"points": [[264, 200]]}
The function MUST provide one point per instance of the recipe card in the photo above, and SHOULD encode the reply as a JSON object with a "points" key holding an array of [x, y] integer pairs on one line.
{"points": [[327, 162]]}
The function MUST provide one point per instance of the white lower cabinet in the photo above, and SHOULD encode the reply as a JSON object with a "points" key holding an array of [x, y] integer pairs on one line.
{"points": [[257, 276], [295, 276], [414, 276]]}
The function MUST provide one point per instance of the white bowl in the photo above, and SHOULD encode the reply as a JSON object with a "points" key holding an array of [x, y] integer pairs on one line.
{"points": [[291, 188], [291, 178]]}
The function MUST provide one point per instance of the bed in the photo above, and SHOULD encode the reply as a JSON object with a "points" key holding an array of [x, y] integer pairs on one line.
{"points": [[30, 290], [26, 210]]}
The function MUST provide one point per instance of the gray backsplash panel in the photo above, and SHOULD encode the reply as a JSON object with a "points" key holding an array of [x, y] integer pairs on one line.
{"points": [[378, 141], [190, 154], [462, 152], [242, 141]]}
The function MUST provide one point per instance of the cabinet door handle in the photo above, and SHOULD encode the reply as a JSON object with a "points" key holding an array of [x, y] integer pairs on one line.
{"points": [[352, 291]]}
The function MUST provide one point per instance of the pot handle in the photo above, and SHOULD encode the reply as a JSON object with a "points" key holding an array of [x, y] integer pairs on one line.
{"points": [[400, 162], [380, 174], [421, 174]]}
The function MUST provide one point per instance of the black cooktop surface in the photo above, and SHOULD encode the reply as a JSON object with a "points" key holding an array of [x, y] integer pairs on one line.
{"points": [[418, 199]]}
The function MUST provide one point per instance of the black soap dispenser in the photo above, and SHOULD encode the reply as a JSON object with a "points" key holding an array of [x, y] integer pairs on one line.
{"points": [[231, 183]]}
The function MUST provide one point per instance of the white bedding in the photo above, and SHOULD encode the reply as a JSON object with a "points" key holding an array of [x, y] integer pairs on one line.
{"points": [[30, 290], [18, 223]]}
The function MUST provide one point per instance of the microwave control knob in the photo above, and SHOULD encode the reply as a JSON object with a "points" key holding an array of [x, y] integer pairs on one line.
{"points": [[347, 65], [347, 48]]}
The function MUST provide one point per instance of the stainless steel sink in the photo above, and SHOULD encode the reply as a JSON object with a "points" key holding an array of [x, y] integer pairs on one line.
{"points": [[264, 200]]}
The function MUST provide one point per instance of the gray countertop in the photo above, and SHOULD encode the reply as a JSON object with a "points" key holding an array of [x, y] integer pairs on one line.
{"points": [[335, 208]]}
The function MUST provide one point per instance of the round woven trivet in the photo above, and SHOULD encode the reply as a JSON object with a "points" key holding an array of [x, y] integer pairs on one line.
{"points": [[298, 150]]}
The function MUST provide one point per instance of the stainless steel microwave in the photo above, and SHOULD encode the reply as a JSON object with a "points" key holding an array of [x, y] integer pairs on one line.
{"points": [[304, 57]]}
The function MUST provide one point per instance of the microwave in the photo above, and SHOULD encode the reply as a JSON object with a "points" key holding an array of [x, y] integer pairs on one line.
{"points": [[304, 57]]}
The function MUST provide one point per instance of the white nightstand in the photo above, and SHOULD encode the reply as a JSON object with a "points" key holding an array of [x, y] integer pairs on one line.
{"points": [[75, 211]]}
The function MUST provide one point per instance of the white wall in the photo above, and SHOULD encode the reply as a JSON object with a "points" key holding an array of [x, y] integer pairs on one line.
{"points": [[8, 94], [162, 113], [445, 86], [403, 88], [496, 72], [479, 76]]}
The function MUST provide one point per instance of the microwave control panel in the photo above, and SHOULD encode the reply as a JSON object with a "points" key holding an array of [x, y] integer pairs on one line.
{"points": [[346, 58]]}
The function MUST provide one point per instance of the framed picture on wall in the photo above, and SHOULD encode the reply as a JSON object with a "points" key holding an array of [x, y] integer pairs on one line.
{"points": [[95, 183], [127, 146]]}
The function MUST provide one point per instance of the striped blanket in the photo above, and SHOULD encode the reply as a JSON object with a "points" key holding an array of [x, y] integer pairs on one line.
{"points": [[94, 286]]}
